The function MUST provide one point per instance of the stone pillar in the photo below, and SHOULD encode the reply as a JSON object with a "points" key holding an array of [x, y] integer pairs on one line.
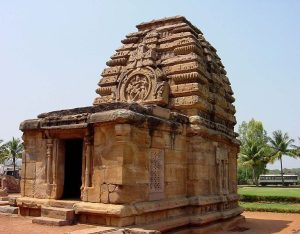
{"points": [[49, 155]]}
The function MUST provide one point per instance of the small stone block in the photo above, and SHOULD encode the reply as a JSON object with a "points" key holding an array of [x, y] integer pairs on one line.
{"points": [[51, 221], [57, 213], [9, 210]]}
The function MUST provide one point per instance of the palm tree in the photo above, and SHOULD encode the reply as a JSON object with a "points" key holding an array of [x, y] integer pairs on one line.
{"points": [[254, 155], [281, 144], [297, 148], [254, 150], [13, 149]]}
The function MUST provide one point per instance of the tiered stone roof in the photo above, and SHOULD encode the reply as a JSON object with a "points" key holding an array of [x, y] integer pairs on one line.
{"points": [[168, 62]]}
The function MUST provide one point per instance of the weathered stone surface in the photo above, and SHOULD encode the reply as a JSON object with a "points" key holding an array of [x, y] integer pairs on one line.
{"points": [[4, 198], [57, 213], [9, 209], [3, 193], [3, 203], [12, 201], [156, 151], [10, 184], [95, 230], [50, 221]]}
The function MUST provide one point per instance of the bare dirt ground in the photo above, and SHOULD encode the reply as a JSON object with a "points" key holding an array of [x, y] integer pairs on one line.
{"points": [[267, 223], [257, 223], [14, 224]]}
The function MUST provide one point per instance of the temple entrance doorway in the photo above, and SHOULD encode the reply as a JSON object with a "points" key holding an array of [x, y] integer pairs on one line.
{"points": [[73, 169]]}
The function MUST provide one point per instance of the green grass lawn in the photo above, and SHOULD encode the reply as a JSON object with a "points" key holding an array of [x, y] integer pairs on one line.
{"points": [[271, 207], [267, 191]]}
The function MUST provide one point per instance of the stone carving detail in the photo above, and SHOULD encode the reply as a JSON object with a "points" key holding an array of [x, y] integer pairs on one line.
{"points": [[222, 169], [142, 56], [137, 88], [143, 85], [156, 185]]}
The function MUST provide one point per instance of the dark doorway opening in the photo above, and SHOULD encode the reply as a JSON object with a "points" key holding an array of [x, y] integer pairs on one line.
{"points": [[73, 168]]}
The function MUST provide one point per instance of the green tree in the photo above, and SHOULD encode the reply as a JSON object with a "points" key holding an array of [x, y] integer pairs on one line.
{"points": [[13, 149], [254, 151], [297, 148], [281, 144], [2, 151], [244, 174]]}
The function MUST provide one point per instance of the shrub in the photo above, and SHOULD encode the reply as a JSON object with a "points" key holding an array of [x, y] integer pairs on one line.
{"points": [[255, 198]]}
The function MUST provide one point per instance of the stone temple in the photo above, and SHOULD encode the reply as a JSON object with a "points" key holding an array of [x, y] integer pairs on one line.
{"points": [[156, 151]]}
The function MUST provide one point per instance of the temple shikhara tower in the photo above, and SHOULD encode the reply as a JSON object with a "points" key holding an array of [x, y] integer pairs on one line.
{"points": [[156, 151]]}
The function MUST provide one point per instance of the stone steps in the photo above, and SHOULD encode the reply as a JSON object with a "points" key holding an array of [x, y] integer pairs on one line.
{"points": [[58, 213], [4, 203], [9, 209], [55, 216], [51, 221]]}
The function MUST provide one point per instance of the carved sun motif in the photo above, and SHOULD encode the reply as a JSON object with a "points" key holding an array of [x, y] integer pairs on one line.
{"points": [[137, 88]]}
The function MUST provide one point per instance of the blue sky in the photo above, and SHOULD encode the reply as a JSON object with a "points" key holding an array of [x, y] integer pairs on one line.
{"points": [[52, 52]]}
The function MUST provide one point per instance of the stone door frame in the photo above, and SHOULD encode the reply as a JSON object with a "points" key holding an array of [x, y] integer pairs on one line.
{"points": [[55, 159]]}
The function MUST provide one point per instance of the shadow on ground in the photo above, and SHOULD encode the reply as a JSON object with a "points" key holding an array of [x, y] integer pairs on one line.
{"points": [[262, 226]]}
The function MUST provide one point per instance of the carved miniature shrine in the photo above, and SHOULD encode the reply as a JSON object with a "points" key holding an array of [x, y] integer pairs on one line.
{"points": [[157, 150]]}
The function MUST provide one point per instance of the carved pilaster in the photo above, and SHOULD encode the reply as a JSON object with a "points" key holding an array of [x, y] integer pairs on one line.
{"points": [[226, 176], [222, 170], [88, 151], [49, 156]]}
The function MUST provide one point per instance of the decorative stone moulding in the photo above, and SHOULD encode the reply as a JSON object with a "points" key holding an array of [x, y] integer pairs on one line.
{"points": [[156, 151]]}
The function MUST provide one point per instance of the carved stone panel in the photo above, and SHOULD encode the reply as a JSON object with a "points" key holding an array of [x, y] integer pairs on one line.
{"points": [[222, 169], [141, 57], [141, 85], [156, 170]]}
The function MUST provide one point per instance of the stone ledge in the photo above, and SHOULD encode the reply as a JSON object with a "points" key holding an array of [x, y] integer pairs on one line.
{"points": [[168, 224], [201, 130], [233, 212], [30, 124], [30, 202], [129, 210], [69, 126], [118, 116], [208, 218], [118, 113], [206, 200], [146, 207], [105, 209], [224, 225]]}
